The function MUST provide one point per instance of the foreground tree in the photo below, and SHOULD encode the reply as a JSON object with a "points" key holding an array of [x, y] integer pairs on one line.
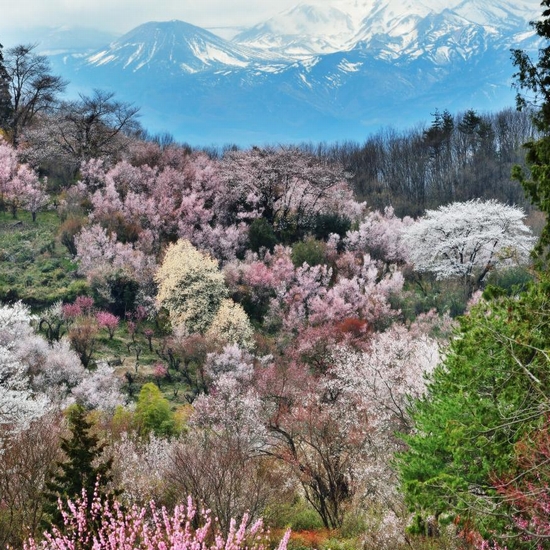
{"points": [[83, 473], [490, 391], [467, 240], [110, 527]]}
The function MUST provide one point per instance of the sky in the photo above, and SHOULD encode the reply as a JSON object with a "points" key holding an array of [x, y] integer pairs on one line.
{"points": [[120, 16]]}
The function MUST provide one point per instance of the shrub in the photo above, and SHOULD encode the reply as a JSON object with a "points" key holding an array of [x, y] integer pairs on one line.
{"points": [[261, 235], [110, 527], [310, 251]]}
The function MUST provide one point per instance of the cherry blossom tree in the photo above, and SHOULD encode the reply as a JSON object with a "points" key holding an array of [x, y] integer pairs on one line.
{"points": [[285, 186], [116, 271], [231, 324], [380, 235], [20, 186], [18, 402], [220, 459], [385, 378], [108, 321], [140, 467], [469, 239], [321, 436]]}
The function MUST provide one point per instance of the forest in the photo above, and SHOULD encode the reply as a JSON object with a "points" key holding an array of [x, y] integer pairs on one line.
{"points": [[329, 346]]}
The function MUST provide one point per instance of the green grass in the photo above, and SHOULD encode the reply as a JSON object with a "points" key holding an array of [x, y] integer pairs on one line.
{"points": [[34, 266]]}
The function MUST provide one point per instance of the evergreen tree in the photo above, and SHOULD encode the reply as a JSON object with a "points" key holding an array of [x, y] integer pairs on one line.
{"points": [[6, 109], [491, 391], [533, 85], [82, 471]]}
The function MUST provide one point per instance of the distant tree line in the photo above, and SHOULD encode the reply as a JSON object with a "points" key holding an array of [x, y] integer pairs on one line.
{"points": [[456, 158]]}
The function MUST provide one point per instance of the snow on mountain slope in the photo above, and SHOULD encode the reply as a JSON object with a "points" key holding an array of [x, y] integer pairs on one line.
{"points": [[318, 28], [303, 30], [175, 47]]}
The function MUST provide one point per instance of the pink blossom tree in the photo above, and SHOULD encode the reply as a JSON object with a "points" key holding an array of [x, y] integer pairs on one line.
{"points": [[20, 186], [380, 235], [285, 186], [107, 526], [108, 321]]}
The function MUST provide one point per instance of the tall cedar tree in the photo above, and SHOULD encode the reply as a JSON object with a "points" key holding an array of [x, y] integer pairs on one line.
{"points": [[82, 470], [5, 97], [533, 86]]}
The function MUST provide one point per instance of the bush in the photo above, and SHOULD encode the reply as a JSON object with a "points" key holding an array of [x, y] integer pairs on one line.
{"points": [[310, 251], [153, 412], [261, 235], [326, 224], [103, 525], [299, 516], [67, 232]]}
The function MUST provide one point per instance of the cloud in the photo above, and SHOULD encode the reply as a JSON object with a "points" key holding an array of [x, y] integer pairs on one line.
{"points": [[123, 15]]}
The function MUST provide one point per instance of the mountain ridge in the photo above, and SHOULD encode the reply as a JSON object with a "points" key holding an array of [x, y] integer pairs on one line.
{"points": [[289, 79]]}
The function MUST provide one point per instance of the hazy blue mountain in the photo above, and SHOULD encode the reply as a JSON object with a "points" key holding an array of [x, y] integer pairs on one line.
{"points": [[59, 40], [315, 72]]}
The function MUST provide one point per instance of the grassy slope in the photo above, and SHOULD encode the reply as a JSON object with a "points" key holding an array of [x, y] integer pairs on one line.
{"points": [[34, 266]]}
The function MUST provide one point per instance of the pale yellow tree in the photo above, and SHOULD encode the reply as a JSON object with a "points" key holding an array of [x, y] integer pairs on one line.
{"points": [[231, 325], [191, 287]]}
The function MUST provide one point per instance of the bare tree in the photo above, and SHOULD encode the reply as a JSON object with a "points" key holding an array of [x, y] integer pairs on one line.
{"points": [[32, 87], [94, 126]]}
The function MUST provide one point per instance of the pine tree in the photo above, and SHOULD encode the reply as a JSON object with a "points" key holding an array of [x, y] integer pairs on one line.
{"points": [[533, 86], [82, 471]]}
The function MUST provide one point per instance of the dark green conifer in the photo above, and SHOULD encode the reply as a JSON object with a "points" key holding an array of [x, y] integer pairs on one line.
{"points": [[83, 471]]}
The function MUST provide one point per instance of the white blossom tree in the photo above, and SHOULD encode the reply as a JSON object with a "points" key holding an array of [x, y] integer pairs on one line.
{"points": [[18, 403], [468, 240]]}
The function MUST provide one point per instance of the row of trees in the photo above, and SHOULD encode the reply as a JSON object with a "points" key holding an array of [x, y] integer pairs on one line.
{"points": [[457, 157]]}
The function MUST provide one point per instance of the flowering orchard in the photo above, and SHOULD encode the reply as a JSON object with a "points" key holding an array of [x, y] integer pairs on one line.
{"points": [[274, 335]]}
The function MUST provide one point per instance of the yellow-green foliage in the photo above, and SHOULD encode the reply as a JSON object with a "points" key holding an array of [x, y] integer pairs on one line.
{"points": [[231, 324], [153, 412], [191, 286]]}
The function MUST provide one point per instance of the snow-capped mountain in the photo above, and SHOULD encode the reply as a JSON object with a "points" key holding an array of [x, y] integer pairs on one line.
{"points": [[319, 71], [174, 47], [318, 28]]}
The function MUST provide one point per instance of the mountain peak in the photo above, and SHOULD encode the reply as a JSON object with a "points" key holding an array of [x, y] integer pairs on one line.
{"points": [[319, 71], [173, 45]]}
